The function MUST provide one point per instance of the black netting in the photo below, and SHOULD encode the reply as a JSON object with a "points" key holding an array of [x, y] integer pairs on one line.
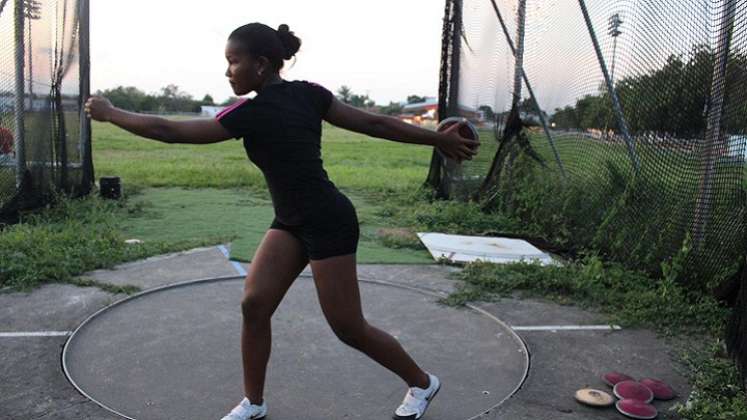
{"points": [[44, 139], [626, 134]]}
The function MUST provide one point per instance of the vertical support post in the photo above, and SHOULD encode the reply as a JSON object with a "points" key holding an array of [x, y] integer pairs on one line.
{"points": [[521, 15], [435, 171], [713, 132], [86, 156], [454, 62], [20, 131], [532, 96], [613, 93], [450, 167]]}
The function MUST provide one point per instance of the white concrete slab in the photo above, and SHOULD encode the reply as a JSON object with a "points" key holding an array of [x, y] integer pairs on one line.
{"points": [[463, 249]]}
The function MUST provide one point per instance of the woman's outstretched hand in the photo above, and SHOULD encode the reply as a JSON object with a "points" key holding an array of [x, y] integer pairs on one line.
{"points": [[456, 147], [99, 108]]}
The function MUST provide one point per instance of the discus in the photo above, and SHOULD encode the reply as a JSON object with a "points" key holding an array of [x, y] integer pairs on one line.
{"points": [[594, 397], [612, 378], [661, 390], [636, 409], [466, 130], [633, 390]]}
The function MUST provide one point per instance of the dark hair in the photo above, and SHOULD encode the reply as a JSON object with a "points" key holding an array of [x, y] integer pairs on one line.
{"points": [[260, 40]]}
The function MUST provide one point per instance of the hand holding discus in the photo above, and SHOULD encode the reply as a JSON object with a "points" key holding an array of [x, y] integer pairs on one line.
{"points": [[99, 108], [459, 140]]}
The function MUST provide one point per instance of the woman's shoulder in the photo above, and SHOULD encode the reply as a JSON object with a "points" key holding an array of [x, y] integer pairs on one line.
{"points": [[233, 108], [307, 84]]}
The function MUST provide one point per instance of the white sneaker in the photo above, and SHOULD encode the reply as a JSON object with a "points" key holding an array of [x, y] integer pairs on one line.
{"points": [[247, 411], [417, 400]]}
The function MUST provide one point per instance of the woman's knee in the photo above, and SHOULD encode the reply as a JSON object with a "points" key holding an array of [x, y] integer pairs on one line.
{"points": [[255, 308], [352, 333]]}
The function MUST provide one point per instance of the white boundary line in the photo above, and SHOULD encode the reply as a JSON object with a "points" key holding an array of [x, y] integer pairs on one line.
{"points": [[236, 265], [566, 328], [20, 334]]}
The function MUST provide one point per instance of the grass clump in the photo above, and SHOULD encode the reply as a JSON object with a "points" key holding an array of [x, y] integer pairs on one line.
{"points": [[70, 237], [628, 298], [716, 392]]}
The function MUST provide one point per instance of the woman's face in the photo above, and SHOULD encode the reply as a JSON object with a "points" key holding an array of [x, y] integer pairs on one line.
{"points": [[244, 73]]}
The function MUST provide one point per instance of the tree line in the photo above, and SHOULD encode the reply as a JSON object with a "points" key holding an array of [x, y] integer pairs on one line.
{"points": [[672, 99], [171, 99]]}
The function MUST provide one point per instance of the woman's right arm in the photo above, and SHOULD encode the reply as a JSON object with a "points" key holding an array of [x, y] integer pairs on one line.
{"points": [[195, 131]]}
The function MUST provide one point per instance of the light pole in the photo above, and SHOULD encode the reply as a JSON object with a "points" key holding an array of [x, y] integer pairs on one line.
{"points": [[614, 31]]}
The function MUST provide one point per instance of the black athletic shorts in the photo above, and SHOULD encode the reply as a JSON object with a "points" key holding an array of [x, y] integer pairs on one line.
{"points": [[329, 231]]}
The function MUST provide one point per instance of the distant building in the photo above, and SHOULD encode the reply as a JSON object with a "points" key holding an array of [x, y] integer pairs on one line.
{"points": [[427, 112], [8, 103], [210, 111], [420, 113], [426, 109]]}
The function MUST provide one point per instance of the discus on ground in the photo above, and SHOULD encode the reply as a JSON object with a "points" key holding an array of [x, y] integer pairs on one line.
{"points": [[612, 378], [636, 409], [633, 390], [661, 390], [594, 397]]}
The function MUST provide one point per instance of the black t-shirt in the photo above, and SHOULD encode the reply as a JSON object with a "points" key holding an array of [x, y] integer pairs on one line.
{"points": [[282, 127]]}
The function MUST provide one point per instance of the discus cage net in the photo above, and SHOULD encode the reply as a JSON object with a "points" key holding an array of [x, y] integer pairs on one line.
{"points": [[45, 146], [611, 125]]}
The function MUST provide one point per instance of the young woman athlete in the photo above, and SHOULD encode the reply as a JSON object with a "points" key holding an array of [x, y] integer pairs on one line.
{"points": [[314, 222]]}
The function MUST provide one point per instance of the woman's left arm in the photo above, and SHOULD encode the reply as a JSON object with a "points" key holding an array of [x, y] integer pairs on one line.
{"points": [[385, 127]]}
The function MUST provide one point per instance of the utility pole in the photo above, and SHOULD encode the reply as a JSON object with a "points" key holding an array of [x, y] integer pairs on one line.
{"points": [[521, 16], [614, 31]]}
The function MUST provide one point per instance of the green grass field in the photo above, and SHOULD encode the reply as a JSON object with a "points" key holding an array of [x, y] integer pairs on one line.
{"points": [[353, 162]]}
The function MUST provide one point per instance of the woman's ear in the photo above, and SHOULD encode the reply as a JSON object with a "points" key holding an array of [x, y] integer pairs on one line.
{"points": [[263, 65]]}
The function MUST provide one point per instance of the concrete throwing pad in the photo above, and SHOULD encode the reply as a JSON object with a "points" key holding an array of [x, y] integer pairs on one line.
{"points": [[464, 249], [174, 352]]}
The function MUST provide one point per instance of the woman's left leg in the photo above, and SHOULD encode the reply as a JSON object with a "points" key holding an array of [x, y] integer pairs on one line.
{"points": [[336, 282]]}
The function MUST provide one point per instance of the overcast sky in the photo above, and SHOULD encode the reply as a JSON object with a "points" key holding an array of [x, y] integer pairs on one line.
{"points": [[387, 48]]}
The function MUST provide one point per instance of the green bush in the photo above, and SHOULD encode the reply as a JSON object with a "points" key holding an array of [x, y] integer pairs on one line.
{"points": [[716, 392], [638, 221], [70, 237]]}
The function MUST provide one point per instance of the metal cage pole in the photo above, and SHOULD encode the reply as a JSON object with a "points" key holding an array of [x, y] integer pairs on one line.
{"points": [[448, 90], [433, 179], [451, 168], [714, 135], [611, 88], [84, 62], [456, 51], [20, 131], [521, 17], [532, 96]]}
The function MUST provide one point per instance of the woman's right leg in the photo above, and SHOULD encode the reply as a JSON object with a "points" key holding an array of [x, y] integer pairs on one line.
{"points": [[276, 264]]}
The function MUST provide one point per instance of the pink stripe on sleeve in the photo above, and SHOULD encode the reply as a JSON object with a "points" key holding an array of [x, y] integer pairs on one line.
{"points": [[231, 108]]}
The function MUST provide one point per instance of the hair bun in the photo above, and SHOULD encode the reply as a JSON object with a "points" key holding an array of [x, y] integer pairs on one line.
{"points": [[290, 42]]}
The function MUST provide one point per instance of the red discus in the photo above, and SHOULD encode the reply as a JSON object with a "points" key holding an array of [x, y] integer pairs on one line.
{"points": [[612, 378], [467, 130], [633, 390], [661, 390], [636, 409]]}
